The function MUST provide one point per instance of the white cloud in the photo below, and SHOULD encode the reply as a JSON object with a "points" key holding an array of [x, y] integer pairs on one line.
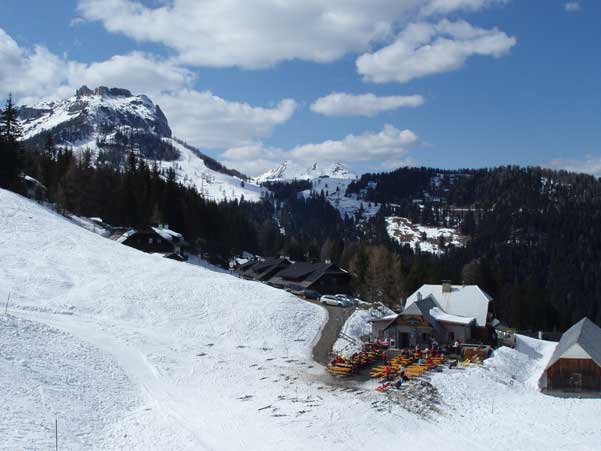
{"points": [[373, 149], [343, 104], [424, 49], [200, 118], [572, 7], [38, 73], [206, 120], [448, 6], [261, 33], [388, 143], [590, 164]]}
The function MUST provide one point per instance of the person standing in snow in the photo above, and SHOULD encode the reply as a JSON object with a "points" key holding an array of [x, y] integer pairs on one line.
{"points": [[388, 372]]}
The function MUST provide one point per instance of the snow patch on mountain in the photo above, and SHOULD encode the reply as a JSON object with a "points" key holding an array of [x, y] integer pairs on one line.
{"points": [[332, 179], [427, 238], [192, 171], [350, 205]]}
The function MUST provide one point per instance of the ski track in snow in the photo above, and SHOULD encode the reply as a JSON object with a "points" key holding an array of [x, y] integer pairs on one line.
{"points": [[132, 351]]}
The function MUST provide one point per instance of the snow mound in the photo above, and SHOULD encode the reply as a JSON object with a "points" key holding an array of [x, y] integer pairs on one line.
{"points": [[356, 327]]}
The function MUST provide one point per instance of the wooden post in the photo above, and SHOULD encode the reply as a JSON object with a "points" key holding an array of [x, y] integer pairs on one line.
{"points": [[56, 435]]}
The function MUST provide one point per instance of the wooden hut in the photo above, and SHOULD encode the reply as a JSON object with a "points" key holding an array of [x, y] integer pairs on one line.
{"points": [[576, 363]]}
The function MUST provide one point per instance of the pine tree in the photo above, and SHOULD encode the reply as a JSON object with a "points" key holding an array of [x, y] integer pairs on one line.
{"points": [[10, 133], [10, 129]]}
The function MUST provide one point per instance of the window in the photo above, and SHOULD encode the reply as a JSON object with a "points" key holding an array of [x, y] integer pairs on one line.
{"points": [[150, 240]]}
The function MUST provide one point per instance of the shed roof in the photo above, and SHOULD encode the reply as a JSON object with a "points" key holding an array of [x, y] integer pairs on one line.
{"points": [[584, 333], [463, 300]]}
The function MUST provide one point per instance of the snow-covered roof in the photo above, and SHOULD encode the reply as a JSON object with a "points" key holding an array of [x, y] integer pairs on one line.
{"points": [[125, 236], [439, 315], [586, 335], [463, 300], [167, 234]]}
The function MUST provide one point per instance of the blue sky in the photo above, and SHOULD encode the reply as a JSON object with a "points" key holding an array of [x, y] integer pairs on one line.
{"points": [[503, 82]]}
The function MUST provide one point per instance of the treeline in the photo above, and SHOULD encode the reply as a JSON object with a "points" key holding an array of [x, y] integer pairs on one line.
{"points": [[534, 241]]}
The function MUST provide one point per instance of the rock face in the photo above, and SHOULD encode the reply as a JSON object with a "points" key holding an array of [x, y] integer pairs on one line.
{"points": [[112, 122], [101, 112]]}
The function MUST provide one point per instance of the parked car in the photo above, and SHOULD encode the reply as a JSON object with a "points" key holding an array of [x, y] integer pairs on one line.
{"points": [[311, 294], [328, 299], [345, 299], [361, 303]]}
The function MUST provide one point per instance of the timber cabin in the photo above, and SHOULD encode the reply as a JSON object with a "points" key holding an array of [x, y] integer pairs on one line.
{"points": [[576, 362], [325, 278], [445, 313], [155, 240]]}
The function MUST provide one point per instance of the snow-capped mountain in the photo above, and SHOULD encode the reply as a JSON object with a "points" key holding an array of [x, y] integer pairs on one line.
{"points": [[290, 170], [331, 179], [110, 122]]}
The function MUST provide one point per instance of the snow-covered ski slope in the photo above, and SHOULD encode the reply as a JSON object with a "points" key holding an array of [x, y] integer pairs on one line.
{"points": [[132, 351]]}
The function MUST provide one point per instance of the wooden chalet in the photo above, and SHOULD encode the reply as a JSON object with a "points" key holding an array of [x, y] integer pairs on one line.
{"points": [[420, 323], [325, 278], [576, 362], [155, 240]]}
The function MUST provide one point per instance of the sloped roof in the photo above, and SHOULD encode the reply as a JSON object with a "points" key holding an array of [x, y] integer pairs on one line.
{"points": [[306, 272], [464, 300], [249, 264], [441, 316], [584, 333], [423, 308], [261, 268]]}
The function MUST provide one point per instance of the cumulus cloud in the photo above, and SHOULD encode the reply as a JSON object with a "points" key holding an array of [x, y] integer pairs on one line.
{"points": [[260, 33], [590, 164], [199, 117], [572, 7], [209, 121], [373, 149], [369, 105], [33, 74], [423, 49]]}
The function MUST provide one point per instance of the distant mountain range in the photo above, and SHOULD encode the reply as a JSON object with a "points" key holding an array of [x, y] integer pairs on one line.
{"points": [[111, 122], [289, 170]]}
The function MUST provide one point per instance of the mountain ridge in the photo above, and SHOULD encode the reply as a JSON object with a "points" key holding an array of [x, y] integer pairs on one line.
{"points": [[112, 122], [290, 170]]}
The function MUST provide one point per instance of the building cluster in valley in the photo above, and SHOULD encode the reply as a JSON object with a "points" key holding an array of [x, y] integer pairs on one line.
{"points": [[448, 318]]}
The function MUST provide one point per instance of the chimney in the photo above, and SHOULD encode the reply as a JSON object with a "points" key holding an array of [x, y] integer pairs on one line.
{"points": [[419, 296], [447, 286]]}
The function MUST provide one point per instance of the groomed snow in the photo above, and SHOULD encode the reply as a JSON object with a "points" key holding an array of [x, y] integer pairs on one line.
{"points": [[179, 357]]}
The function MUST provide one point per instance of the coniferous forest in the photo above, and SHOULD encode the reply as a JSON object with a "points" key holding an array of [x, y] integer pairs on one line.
{"points": [[534, 234]]}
